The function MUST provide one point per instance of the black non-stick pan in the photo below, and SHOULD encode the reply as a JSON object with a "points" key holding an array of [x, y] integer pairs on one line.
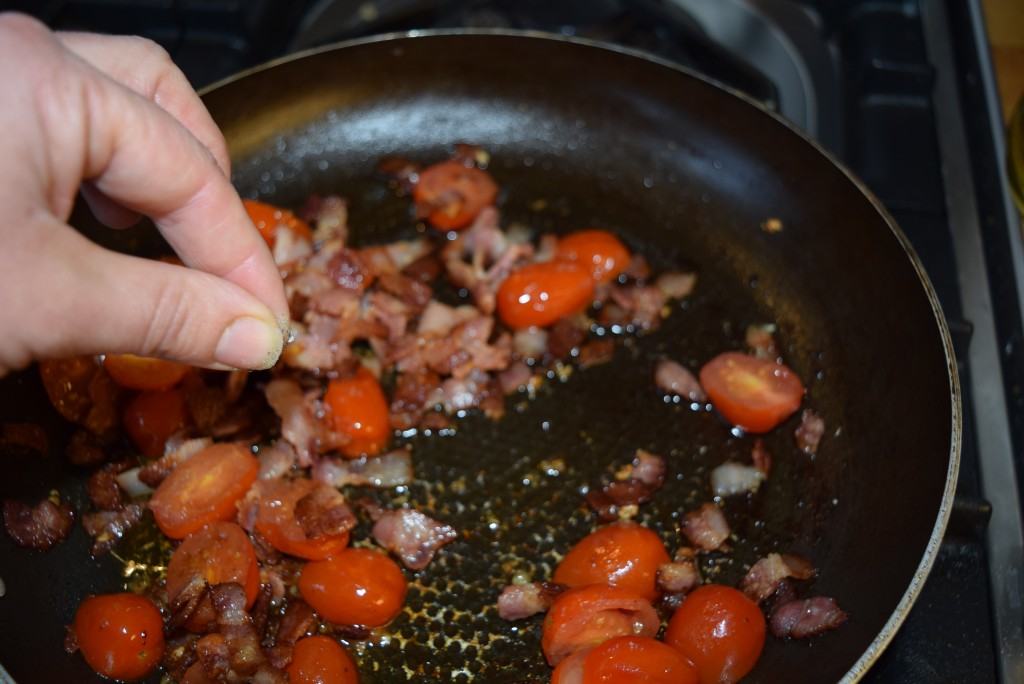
{"points": [[582, 135]]}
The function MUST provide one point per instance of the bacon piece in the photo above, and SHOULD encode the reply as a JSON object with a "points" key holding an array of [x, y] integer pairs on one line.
{"points": [[638, 306], [176, 452], [37, 527], [330, 217], [187, 601], [515, 377], [730, 478], [425, 269], [289, 247], [633, 485], [323, 512], [564, 336], [260, 611], [84, 449], [706, 527], [349, 271], [676, 285], [415, 393], [438, 319], [214, 657], [25, 435], [530, 343], [596, 352], [765, 576], [107, 528], [236, 627], [103, 489], [387, 470], [299, 424], [519, 601], [761, 456], [805, 618], [637, 268], [810, 431], [179, 656], [276, 460], [679, 577], [412, 536], [673, 378], [411, 292], [761, 341], [82, 392]]}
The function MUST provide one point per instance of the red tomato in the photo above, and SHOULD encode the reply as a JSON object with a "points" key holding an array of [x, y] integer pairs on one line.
{"points": [[268, 219], [359, 409], [754, 394], [600, 251], [321, 660], [622, 554], [142, 373], [276, 521], [587, 616], [219, 552], [121, 636], [451, 194], [151, 417], [720, 630], [354, 587], [203, 489], [627, 660], [540, 294]]}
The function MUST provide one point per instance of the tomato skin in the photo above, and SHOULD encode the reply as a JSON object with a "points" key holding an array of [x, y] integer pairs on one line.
{"points": [[276, 521], [720, 630], [321, 660], [598, 250], [451, 194], [219, 552], [203, 489], [143, 373], [354, 587], [540, 294], [359, 409], [751, 393], [151, 417], [268, 219], [121, 636], [586, 616], [622, 554], [631, 660]]}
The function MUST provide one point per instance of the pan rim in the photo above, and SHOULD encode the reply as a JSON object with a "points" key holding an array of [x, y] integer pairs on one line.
{"points": [[910, 595]]}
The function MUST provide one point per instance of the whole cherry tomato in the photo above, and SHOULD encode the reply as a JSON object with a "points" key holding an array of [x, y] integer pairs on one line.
{"points": [[121, 636], [600, 251], [540, 294], [321, 660], [622, 554], [354, 587]]}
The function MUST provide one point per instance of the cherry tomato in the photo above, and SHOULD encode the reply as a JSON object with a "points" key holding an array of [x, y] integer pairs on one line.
{"points": [[622, 554], [587, 616], [121, 636], [354, 587], [142, 373], [540, 294], [219, 552], [82, 392], [151, 417], [321, 660], [600, 251], [751, 393], [276, 521], [627, 660], [720, 630], [203, 489], [268, 219], [451, 194], [359, 409]]}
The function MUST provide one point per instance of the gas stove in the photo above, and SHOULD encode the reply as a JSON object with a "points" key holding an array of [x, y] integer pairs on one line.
{"points": [[890, 88]]}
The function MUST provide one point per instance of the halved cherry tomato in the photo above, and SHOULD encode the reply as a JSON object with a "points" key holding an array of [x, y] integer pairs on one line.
{"points": [[151, 417], [219, 552], [142, 373], [540, 294], [623, 554], [268, 219], [203, 489], [276, 521], [587, 616], [451, 194], [354, 587], [359, 409], [321, 660], [720, 630], [751, 393], [121, 636], [627, 660], [600, 251]]}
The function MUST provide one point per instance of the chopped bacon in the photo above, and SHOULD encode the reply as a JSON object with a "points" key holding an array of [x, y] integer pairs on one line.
{"points": [[761, 456], [83, 393], [176, 452], [564, 336], [187, 601], [107, 528], [348, 271], [415, 393], [484, 243], [530, 343], [235, 626], [25, 435], [680, 576], [37, 527], [276, 460], [765, 576], [297, 621], [411, 292], [633, 485], [103, 489], [810, 431], [761, 341], [730, 478], [438, 319], [260, 611], [519, 601], [425, 269], [323, 512], [637, 268], [179, 656], [412, 536], [706, 527], [290, 247], [805, 618], [639, 306], [84, 449], [515, 377], [299, 423], [329, 215], [387, 470], [673, 378], [676, 285], [596, 352], [206, 406]]}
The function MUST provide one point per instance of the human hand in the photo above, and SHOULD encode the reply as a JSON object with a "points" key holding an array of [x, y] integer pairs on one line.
{"points": [[114, 117]]}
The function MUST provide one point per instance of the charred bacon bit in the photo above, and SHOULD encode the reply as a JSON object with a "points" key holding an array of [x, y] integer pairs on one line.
{"points": [[761, 341], [596, 352], [638, 306], [82, 392], [298, 621], [681, 576], [349, 271], [706, 527], [102, 487], [412, 536], [730, 479], [214, 657], [806, 618], [514, 378], [276, 460], [810, 431], [633, 485], [84, 449], [323, 512], [425, 269], [387, 470], [637, 268], [519, 601], [409, 291], [176, 452], [673, 378], [415, 393], [260, 611], [24, 435], [37, 527], [235, 625], [299, 424], [676, 285], [761, 456], [179, 656], [564, 336], [107, 528], [185, 604], [765, 576]]}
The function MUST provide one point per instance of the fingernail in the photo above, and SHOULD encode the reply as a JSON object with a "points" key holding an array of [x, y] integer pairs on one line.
{"points": [[249, 343]]}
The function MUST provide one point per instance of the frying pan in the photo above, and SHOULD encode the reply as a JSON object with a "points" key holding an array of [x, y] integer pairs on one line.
{"points": [[686, 172]]}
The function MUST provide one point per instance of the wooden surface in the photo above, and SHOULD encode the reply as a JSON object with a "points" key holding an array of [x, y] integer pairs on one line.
{"points": [[1005, 19]]}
